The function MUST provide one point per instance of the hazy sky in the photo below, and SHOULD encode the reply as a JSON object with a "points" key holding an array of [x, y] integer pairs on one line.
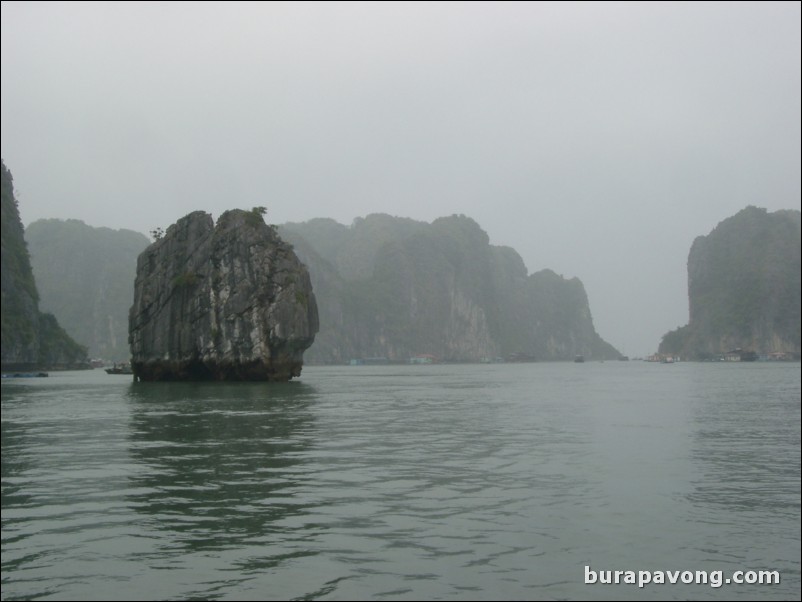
{"points": [[597, 139]]}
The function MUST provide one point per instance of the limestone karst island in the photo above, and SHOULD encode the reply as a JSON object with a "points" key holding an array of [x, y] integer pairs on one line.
{"points": [[233, 301], [31, 339], [225, 301], [743, 290]]}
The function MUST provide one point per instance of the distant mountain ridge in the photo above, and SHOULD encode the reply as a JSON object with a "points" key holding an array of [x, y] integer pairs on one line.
{"points": [[395, 288], [743, 288], [387, 287], [86, 279], [31, 340]]}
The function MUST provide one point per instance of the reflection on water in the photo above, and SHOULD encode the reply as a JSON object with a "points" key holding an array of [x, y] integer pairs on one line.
{"points": [[435, 482], [221, 462]]}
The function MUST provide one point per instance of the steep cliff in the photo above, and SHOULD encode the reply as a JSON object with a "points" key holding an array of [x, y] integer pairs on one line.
{"points": [[395, 288], [224, 302], [743, 287], [85, 277], [30, 339]]}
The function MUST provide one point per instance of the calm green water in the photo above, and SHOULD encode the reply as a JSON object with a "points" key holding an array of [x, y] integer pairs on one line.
{"points": [[426, 482]]}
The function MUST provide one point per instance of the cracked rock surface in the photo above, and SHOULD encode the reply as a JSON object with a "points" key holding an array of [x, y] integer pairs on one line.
{"points": [[229, 301]]}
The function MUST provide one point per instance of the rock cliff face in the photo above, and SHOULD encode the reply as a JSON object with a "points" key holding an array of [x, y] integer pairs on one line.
{"points": [[85, 277], [395, 288], [743, 288], [31, 340], [224, 302]]}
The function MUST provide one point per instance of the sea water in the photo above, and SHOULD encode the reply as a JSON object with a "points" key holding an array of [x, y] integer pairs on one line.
{"points": [[501, 481]]}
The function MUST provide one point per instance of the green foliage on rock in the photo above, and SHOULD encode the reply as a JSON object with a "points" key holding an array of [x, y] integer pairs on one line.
{"points": [[56, 347], [255, 217], [185, 280]]}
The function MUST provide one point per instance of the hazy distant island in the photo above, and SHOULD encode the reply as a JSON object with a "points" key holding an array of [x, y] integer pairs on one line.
{"points": [[85, 277], [395, 289], [31, 340], [743, 290], [224, 301]]}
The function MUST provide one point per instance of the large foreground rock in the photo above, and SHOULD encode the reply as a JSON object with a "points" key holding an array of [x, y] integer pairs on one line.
{"points": [[225, 302]]}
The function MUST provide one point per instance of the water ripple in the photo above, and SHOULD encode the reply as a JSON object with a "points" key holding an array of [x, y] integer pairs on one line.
{"points": [[443, 482]]}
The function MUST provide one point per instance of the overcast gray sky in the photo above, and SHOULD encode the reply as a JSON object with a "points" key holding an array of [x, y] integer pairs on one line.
{"points": [[597, 139]]}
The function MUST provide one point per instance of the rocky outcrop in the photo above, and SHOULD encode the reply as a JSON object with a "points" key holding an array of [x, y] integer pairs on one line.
{"points": [[224, 302], [743, 288], [31, 340], [394, 288]]}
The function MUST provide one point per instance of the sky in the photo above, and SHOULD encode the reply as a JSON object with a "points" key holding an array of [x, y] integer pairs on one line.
{"points": [[596, 139]]}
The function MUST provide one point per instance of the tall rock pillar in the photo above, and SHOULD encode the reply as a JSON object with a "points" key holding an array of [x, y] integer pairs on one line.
{"points": [[229, 301]]}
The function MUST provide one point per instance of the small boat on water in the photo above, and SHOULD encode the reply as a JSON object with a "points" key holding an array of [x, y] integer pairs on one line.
{"points": [[579, 359], [121, 369]]}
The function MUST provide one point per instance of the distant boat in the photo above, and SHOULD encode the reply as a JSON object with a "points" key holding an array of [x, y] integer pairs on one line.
{"points": [[121, 369], [579, 359]]}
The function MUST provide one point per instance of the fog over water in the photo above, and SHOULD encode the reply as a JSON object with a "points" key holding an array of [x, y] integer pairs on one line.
{"points": [[598, 139]]}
